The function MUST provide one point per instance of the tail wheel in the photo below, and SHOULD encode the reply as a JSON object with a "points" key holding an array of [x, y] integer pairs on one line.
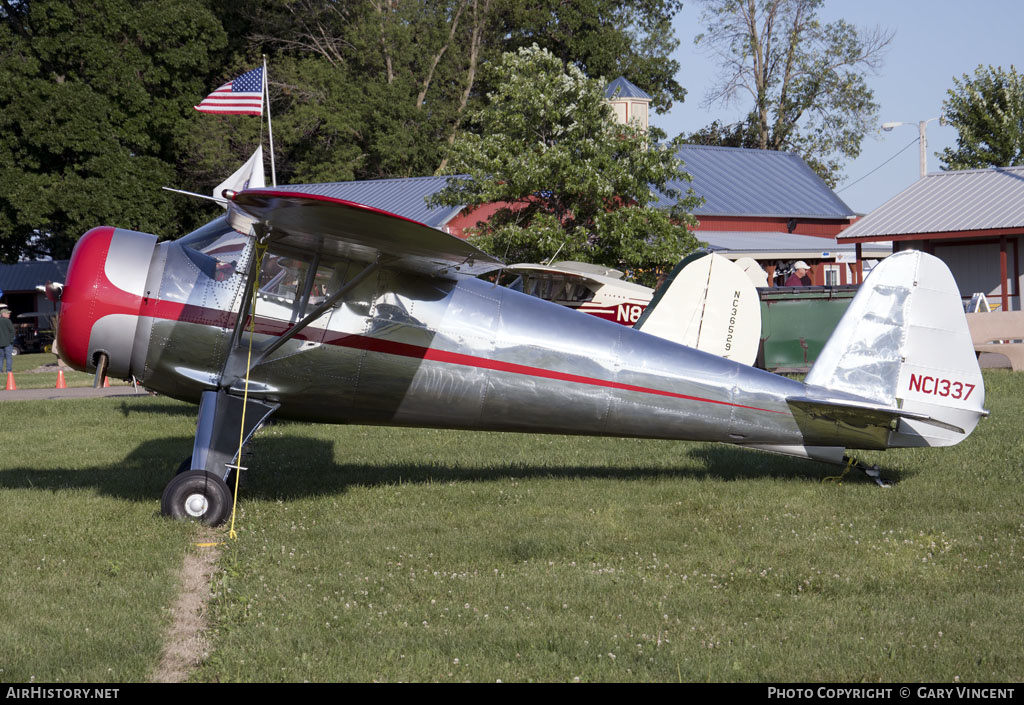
{"points": [[197, 495]]}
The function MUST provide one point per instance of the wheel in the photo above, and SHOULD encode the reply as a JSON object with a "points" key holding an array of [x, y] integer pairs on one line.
{"points": [[197, 495], [186, 466]]}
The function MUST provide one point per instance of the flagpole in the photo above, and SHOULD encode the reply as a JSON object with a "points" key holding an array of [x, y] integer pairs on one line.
{"points": [[270, 126]]}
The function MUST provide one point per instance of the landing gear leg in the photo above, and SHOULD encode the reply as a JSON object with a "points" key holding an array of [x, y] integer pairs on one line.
{"points": [[200, 491]]}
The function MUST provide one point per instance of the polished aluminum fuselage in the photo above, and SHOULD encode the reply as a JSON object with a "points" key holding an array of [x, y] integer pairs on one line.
{"points": [[404, 349]]}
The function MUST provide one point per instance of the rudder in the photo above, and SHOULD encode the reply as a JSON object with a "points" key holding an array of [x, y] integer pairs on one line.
{"points": [[710, 304]]}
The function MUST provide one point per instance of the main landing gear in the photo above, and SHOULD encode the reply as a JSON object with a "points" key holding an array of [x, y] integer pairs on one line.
{"points": [[199, 491], [197, 495]]}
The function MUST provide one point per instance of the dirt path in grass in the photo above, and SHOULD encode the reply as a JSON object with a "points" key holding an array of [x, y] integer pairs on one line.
{"points": [[186, 642]]}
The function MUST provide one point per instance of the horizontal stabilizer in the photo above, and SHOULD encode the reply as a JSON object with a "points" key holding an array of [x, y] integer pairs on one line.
{"points": [[863, 414]]}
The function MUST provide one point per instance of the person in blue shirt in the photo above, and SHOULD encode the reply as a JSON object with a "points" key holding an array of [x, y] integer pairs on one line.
{"points": [[7, 334]]}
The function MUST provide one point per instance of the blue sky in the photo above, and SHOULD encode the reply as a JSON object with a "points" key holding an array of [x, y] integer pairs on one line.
{"points": [[935, 41]]}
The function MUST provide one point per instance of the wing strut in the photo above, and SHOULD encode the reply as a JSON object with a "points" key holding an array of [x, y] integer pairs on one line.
{"points": [[316, 313], [238, 365]]}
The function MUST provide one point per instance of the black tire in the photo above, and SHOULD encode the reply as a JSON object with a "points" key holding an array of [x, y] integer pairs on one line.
{"points": [[186, 466], [198, 496]]}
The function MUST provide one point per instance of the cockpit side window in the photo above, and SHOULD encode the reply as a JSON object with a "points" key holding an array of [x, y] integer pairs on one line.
{"points": [[293, 284], [282, 279]]}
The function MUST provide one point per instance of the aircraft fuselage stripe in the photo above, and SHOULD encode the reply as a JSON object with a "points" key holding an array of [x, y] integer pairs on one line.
{"points": [[171, 311], [407, 350]]}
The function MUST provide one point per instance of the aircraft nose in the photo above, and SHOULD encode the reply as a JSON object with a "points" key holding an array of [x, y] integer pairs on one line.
{"points": [[103, 293]]}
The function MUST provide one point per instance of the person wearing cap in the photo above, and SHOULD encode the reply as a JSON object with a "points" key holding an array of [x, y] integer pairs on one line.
{"points": [[7, 334], [799, 276]]}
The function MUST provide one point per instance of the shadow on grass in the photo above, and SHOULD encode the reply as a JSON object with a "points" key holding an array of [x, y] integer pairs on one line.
{"points": [[290, 468], [138, 407]]}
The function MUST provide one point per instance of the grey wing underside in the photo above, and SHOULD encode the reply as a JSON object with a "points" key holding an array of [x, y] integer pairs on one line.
{"points": [[348, 230]]}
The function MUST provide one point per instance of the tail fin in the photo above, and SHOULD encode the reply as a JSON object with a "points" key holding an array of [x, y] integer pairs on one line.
{"points": [[904, 343], [710, 304]]}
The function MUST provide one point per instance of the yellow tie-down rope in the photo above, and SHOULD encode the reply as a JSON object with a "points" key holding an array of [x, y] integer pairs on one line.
{"points": [[261, 250], [850, 463]]}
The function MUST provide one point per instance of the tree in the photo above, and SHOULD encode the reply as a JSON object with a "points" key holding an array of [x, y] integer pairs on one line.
{"points": [[380, 88], [370, 88], [603, 38], [988, 112], [93, 99], [718, 134], [804, 79], [96, 96], [569, 179]]}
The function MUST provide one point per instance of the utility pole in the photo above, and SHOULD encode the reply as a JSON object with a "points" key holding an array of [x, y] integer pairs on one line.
{"points": [[922, 128]]}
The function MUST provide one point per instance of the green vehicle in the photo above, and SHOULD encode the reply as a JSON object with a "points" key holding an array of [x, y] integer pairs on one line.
{"points": [[795, 320], [795, 323]]}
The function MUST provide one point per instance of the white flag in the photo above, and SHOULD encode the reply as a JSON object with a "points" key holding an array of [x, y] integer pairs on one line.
{"points": [[249, 175]]}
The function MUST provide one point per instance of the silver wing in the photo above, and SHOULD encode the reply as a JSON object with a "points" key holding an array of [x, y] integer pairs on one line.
{"points": [[347, 230]]}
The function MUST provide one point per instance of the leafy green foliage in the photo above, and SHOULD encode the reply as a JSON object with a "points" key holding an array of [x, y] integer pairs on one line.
{"points": [[718, 134], [804, 80], [367, 89], [96, 96], [606, 38], [370, 89], [570, 180], [987, 110], [92, 99]]}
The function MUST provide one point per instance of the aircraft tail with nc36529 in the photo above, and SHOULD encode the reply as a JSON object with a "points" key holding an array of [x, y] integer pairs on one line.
{"points": [[301, 306]]}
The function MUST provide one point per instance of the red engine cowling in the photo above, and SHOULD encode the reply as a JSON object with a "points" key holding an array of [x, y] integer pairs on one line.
{"points": [[102, 297]]}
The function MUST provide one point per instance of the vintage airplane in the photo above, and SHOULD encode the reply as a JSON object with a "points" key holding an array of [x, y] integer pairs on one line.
{"points": [[707, 302], [317, 309], [588, 288]]}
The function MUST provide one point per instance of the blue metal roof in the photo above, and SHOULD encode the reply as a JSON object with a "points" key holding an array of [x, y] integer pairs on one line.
{"points": [[756, 183], [732, 181], [25, 276], [404, 197], [621, 88]]}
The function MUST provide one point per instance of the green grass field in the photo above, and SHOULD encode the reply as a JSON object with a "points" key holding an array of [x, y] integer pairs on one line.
{"points": [[410, 555]]}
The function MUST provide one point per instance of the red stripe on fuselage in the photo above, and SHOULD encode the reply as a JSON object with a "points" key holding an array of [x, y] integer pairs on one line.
{"points": [[361, 342], [168, 310]]}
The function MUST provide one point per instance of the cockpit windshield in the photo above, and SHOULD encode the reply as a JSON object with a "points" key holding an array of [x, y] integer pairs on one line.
{"points": [[215, 248], [557, 288]]}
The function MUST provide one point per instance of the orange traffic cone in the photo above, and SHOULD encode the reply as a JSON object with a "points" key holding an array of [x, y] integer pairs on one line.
{"points": [[11, 386], [61, 384], [106, 381]]}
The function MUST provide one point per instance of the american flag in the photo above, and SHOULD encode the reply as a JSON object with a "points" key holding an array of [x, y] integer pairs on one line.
{"points": [[243, 96]]}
